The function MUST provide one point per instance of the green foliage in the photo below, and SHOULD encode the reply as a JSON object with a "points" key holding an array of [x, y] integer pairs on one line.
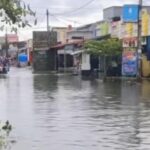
{"points": [[15, 12], [107, 47], [4, 134]]}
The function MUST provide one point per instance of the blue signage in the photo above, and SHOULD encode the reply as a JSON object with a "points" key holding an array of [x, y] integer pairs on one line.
{"points": [[130, 13], [129, 63], [23, 58]]}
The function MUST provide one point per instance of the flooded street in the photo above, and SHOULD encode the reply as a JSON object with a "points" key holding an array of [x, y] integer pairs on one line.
{"points": [[67, 113]]}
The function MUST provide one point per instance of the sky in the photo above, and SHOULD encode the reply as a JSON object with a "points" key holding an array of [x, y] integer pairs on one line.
{"points": [[69, 12]]}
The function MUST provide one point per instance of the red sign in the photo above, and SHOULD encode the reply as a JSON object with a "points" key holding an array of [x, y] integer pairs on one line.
{"points": [[130, 42]]}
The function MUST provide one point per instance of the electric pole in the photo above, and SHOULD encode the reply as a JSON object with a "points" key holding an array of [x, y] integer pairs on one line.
{"points": [[47, 14], [48, 29], [139, 44], [6, 43]]}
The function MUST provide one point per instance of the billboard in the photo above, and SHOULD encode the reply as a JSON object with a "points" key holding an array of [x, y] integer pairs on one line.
{"points": [[131, 42], [130, 13], [104, 27], [129, 63], [145, 22], [12, 38]]}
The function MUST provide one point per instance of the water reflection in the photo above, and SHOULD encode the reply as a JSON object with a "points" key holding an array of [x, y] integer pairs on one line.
{"points": [[68, 113], [146, 93], [45, 83], [130, 93]]}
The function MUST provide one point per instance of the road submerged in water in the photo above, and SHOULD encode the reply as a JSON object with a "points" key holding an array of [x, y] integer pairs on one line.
{"points": [[53, 112]]}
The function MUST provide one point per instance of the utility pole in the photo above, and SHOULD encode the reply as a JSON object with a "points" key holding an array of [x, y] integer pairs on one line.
{"points": [[6, 43], [47, 15], [48, 29], [139, 46]]}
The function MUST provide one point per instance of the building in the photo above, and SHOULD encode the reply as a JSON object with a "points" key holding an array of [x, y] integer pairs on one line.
{"points": [[84, 32], [61, 33], [44, 59], [12, 38], [115, 13], [110, 13], [126, 30]]}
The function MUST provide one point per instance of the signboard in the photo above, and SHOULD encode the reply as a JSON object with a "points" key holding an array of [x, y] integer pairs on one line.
{"points": [[145, 22], [130, 13], [129, 29], [116, 29], [12, 38], [42, 40], [129, 63], [130, 42], [104, 27]]}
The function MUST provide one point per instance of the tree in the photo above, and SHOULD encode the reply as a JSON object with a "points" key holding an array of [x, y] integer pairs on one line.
{"points": [[105, 48], [14, 13], [109, 47]]}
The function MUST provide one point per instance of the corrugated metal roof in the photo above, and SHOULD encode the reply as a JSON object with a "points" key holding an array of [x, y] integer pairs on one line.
{"points": [[60, 46]]}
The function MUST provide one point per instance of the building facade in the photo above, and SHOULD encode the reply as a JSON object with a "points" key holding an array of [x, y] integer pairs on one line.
{"points": [[61, 33]]}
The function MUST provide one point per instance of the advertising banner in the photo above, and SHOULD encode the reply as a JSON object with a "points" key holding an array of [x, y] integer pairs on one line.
{"points": [[130, 42], [145, 22], [116, 29], [129, 63], [129, 29], [12, 38], [130, 13], [104, 28]]}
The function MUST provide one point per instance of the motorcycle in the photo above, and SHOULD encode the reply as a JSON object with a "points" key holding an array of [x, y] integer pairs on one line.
{"points": [[4, 69]]}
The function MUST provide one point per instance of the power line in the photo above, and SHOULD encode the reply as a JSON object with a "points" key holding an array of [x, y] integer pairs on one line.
{"points": [[57, 18], [77, 9], [64, 19], [50, 8]]}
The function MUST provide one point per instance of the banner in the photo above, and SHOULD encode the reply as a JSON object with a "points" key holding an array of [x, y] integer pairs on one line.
{"points": [[130, 42], [145, 22], [104, 28], [129, 29], [129, 63], [130, 13]]}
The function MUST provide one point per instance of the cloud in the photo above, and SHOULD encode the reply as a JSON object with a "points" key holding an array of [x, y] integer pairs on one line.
{"points": [[69, 12]]}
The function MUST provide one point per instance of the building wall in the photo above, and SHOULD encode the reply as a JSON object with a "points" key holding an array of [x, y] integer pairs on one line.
{"points": [[85, 62], [112, 12], [2, 40], [116, 11], [87, 32], [44, 60], [83, 34], [61, 34]]}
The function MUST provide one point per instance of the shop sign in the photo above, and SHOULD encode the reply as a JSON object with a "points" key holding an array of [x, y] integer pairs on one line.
{"points": [[130, 13], [129, 63], [130, 42]]}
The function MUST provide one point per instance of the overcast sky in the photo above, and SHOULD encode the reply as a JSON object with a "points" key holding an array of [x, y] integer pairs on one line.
{"points": [[69, 12]]}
